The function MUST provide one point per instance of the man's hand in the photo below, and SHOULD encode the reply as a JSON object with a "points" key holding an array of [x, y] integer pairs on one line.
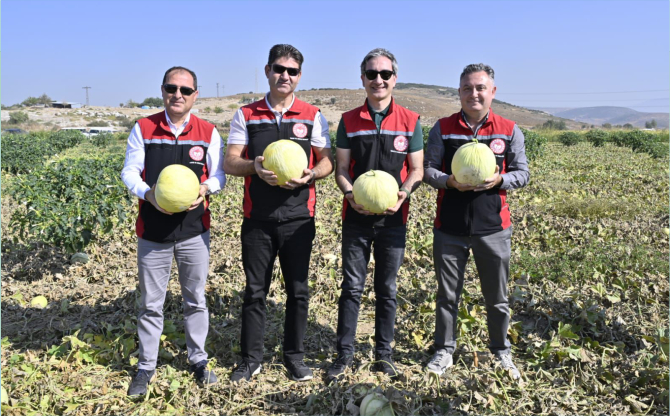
{"points": [[150, 196], [201, 197], [489, 183], [307, 175], [358, 208], [402, 196], [266, 175]]}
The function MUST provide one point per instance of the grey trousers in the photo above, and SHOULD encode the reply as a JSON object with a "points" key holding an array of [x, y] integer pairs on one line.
{"points": [[154, 261], [492, 254]]}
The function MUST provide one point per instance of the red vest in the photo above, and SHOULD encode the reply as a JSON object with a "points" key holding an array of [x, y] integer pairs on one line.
{"points": [[272, 203], [162, 148], [474, 213], [384, 150]]}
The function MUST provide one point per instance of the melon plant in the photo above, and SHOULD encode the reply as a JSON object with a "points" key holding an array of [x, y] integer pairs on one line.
{"points": [[286, 159], [177, 187], [473, 163], [376, 190], [375, 404]]}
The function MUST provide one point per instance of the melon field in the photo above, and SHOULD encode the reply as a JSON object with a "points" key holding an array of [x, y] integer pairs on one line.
{"points": [[588, 291]]}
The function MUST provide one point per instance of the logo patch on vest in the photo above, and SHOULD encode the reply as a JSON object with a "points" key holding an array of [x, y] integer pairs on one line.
{"points": [[300, 130], [498, 146], [196, 153], [401, 143]]}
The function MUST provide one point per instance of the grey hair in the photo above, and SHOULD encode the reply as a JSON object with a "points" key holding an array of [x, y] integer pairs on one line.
{"points": [[379, 52], [178, 69], [478, 68]]}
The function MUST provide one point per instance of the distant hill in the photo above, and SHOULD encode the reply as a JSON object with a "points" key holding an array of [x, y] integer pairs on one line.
{"points": [[613, 115]]}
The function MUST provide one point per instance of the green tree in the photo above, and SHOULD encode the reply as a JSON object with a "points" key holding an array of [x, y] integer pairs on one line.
{"points": [[554, 125], [152, 102], [607, 126], [628, 126], [130, 103]]}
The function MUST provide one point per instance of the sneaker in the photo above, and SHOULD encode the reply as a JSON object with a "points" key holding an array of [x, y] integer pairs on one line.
{"points": [[505, 361], [338, 366], [298, 370], [440, 362], [202, 374], [384, 364], [138, 387], [245, 370]]}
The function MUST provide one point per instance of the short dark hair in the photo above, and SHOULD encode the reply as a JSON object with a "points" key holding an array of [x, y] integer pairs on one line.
{"points": [[181, 68], [478, 68], [283, 50], [379, 52]]}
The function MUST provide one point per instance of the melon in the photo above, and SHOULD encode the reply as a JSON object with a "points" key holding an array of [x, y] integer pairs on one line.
{"points": [[286, 159], [177, 188], [39, 302], [376, 190], [375, 404], [473, 163]]}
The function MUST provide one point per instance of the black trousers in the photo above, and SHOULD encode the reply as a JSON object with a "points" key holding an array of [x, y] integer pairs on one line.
{"points": [[262, 241], [389, 251]]}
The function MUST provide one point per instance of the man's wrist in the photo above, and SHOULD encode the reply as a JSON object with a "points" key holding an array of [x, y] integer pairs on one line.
{"points": [[348, 192], [406, 191], [312, 177], [446, 183]]}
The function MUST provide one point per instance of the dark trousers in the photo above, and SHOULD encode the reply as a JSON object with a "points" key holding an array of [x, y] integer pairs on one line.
{"points": [[262, 241], [389, 250]]}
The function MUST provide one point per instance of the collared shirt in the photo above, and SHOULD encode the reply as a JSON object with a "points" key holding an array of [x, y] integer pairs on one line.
{"points": [[475, 130], [134, 163], [239, 134], [173, 128]]}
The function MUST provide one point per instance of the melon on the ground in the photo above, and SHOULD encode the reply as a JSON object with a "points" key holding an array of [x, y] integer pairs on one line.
{"points": [[177, 187], [39, 302], [473, 163], [286, 159], [376, 190]]}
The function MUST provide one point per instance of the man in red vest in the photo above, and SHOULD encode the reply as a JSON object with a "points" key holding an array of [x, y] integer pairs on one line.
{"points": [[278, 220], [473, 218], [379, 135], [173, 136]]}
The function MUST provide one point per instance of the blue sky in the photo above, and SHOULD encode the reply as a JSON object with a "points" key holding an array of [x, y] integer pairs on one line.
{"points": [[545, 53]]}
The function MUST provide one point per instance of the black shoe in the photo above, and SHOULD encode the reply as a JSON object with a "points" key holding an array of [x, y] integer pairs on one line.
{"points": [[298, 370], [138, 387], [338, 367], [384, 364], [245, 370], [202, 374]]}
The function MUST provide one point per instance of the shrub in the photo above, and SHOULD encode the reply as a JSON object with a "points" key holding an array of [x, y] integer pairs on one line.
{"points": [[333, 100], [534, 144], [232, 106], [597, 137], [102, 140], [569, 138], [207, 109], [218, 110], [554, 125], [18, 117]]}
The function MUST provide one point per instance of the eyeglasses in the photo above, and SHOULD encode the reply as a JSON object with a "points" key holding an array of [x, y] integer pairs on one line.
{"points": [[279, 69], [371, 74], [171, 89]]}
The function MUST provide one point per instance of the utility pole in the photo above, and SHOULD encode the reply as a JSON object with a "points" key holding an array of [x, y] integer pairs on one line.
{"points": [[86, 88], [256, 84], [217, 90], [199, 86]]}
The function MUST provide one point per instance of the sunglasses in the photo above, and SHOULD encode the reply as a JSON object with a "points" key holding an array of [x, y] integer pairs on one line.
{"points": [[279, 69], [371, 74], [171, 89]]}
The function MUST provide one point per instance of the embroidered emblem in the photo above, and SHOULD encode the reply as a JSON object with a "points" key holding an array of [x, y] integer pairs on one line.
{"points": [[401, 143], [498, 146], [300, 130], [196, 153]]}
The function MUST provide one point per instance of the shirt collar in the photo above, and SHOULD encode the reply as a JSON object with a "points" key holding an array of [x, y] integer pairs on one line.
{"points": [[283, 110], [465, 119], [172, 125]]}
